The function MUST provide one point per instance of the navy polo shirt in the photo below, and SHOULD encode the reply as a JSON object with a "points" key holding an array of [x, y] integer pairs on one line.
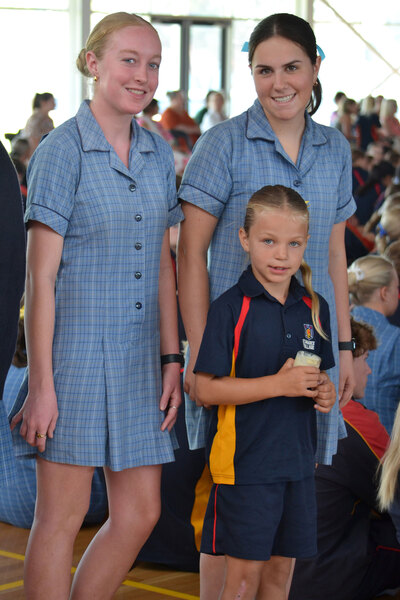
{"points": [[251, 334]]}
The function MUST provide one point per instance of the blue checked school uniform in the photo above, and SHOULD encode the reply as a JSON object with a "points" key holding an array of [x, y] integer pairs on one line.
{"points": [[382, 392], [106, 348], [229, 163], [17, 499]]}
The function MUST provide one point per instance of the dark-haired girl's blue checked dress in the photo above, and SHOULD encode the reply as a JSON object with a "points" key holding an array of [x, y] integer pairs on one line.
{"points": [[233, 160], [106, 349]]}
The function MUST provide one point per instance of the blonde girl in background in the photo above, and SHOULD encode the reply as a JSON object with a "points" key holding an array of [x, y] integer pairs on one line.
{"points": [[100, 310], [373, 287]]}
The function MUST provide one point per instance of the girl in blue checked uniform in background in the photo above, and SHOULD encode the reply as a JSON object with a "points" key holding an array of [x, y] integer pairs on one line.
{"points": [[274, 142], [262, 438], [100, 309]]}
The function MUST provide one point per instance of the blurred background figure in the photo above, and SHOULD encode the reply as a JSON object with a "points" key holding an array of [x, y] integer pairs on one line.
{"points": [[177, 120], [12, 277], [339, 97], [39, 123], [347, 116], [368, 123], [198, 117], [147, 120], [215, 111]]}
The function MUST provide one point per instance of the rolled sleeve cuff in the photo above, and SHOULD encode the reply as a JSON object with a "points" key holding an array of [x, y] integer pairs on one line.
{"points": [[202, 199], [344, 212], [47, 216]]}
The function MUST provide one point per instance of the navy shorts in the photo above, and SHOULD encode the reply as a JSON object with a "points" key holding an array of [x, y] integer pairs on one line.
{"points": [[255, 522]]}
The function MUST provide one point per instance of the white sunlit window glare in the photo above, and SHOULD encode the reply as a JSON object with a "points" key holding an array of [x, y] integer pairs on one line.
{"points": [[36, 57], [351, 65]]}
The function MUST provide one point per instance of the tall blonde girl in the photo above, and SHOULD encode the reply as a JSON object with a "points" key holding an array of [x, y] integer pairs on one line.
{"points": [[100, 315]]}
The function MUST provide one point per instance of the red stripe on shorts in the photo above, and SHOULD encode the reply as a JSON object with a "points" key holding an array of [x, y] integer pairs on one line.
{"points": [[215, 517]]}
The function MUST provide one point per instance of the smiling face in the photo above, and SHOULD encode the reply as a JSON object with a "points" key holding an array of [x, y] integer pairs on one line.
{"points": [[276, 242], [127, 73], [284, 77]]}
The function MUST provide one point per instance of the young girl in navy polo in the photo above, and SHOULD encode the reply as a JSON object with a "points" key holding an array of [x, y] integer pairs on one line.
{"points": [[262, 436]]}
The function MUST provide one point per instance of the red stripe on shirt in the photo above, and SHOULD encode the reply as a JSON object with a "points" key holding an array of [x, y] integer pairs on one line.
{"points": [[238, 329]]}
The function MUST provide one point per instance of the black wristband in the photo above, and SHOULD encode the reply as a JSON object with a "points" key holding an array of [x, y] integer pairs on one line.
{"points": [[172, 358], [348, 345]]}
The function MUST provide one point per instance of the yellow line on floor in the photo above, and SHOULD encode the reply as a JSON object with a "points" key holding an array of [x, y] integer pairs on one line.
{"points": [[127, 582], [11, 586], [153, 588], [12, 555]]}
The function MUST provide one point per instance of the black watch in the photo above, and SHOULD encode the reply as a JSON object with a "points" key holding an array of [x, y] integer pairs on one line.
{"points": [[172, 358], [348, 345]]}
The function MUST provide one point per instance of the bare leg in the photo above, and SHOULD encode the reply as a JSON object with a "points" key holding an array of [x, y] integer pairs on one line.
{"points": [[62, 501], [134, 509], [212, 576], [289, 581], [242, 578], [275, 577]]}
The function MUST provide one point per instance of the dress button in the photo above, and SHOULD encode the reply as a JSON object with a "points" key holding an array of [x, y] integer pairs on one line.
{"points": [[138, 305], [138, 217], [132, 187], [288, 335], [297, 182], [138, 246], [138, 274]]}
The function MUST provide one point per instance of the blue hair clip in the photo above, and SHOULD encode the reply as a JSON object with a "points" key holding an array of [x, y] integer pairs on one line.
{"points": [[321, 52], [245, 47], [381, 230]]}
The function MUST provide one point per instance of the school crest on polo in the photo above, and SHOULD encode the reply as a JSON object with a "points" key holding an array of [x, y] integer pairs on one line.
{"points": [[308, 340]]}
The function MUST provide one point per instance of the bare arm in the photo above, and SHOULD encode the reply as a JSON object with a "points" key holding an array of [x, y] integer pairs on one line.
{"points": [[193, 286], [39, 412], [289, 381], [338, 274], [169, 342]]}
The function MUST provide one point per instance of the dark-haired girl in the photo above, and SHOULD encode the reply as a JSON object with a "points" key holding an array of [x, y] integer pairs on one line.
{"points": [[274, 142]]}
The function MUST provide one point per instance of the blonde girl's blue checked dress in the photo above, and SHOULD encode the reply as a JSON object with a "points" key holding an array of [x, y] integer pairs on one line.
{"points": [[106, 348]]}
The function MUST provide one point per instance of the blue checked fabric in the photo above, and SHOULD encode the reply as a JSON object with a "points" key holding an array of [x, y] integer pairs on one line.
{"points": [[382, 393], [106, 352], [233, 160]]}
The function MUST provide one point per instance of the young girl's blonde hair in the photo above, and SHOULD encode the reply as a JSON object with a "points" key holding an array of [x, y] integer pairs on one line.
{"points": [[390, 467], [278, 198], [367, 274], [101, 32]]}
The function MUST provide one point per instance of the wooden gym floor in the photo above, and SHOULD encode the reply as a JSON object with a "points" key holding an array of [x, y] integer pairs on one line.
{"points": [[144, 582]]}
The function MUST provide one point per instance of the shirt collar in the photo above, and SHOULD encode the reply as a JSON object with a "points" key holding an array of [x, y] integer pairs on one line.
{"points": [[258, 126], [251, 287], [92, 136]]}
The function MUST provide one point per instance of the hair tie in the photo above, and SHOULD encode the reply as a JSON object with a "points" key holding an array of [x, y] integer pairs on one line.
{"points": [[245, 47], [321, 52], [358, 273], [381, 230]]}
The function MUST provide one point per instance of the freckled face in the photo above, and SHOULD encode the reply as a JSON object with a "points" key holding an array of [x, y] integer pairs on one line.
{"points": [[128, 70], [276, 243], [284, 77]]}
